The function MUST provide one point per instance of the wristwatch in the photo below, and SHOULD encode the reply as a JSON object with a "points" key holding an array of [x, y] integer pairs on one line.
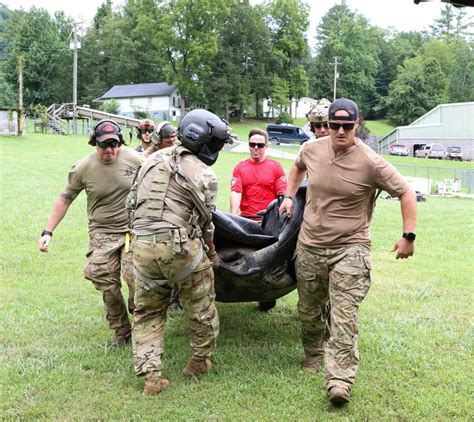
{"points": [[410, 236]]}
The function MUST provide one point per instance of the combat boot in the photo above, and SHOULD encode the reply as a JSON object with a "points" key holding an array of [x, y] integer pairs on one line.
{"points": [[120, 340], [154, 384], [197, 366], [338, 395], [312, 364]]}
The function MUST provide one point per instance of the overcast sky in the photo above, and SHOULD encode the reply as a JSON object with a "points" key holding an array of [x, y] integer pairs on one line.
{"points": [[403, 15]]}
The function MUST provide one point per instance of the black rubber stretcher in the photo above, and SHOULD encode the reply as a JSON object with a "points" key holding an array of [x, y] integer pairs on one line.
{"points": [[257, 257]]}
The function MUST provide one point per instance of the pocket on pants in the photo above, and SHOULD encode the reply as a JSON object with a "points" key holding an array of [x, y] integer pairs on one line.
{"points": [[97, 265]]}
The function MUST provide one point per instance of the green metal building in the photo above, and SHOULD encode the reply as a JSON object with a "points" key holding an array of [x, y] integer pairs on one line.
{"points": [[447, 124]]}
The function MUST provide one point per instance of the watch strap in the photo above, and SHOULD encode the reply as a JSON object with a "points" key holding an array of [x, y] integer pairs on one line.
{"points": [[410, 236]]}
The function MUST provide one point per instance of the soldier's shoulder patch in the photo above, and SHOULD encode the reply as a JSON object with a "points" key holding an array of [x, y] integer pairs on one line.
{"points": [[129, 171]]}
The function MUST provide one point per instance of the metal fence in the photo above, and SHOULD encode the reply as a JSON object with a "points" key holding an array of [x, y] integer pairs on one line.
{"points": [[439, 176]]}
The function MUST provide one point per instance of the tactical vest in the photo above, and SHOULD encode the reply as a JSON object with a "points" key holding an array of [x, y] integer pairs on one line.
{"points": [[149, 201]]}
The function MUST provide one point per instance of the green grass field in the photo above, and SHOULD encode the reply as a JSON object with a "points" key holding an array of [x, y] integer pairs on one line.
{"points": [[416, 339], [379, 127]]}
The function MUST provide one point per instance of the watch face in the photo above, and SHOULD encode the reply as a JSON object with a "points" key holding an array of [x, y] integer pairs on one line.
{"points": [[409, 236]]}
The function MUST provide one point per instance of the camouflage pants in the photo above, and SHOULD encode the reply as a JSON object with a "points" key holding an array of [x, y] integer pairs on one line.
{"points": [[331, 285], [106, 262], [154, 264]]}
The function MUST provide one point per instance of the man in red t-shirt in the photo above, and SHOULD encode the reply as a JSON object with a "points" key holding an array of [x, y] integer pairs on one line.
{"points": [[257, 181]]}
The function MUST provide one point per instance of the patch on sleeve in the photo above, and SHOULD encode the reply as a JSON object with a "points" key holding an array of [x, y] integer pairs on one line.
{"points": [[233, 181]]}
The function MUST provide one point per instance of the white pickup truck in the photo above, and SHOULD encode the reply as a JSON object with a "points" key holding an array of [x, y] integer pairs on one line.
{"points": [[430, 151]]}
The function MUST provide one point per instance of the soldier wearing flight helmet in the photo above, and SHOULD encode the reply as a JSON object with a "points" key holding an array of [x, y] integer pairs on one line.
{"points": [[170, 206]]}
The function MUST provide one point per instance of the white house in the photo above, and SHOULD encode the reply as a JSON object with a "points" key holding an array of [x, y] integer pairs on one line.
{"points": [[160, 100], [299, 107]]}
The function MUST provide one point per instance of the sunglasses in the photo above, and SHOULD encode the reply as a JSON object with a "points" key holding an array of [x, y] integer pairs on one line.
{"points": [[320, 125], [105, 144], [256, 145], [142, 131], [345, 126]]}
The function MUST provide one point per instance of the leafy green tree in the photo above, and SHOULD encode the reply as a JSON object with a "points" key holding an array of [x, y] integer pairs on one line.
{"points": [[187, 34], [110, 106], [8, 98], [395, 48], [241, 70], [347, 35], [420, 86], [461, 79], [230, 69], [288, 22], [453, 23], [284, 117], [119, 46], [279, 98], [41, 115], [43, 43], [5, 15]]}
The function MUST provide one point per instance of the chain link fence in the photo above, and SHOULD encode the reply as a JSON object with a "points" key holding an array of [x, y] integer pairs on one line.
{"points": [[437, 178]]}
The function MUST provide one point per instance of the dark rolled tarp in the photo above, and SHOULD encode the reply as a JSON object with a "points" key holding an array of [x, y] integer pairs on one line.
{"points": [[257, 258]]}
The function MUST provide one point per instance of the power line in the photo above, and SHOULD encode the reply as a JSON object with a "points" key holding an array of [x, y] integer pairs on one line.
{"points": [[160, 65], [50, 70]]}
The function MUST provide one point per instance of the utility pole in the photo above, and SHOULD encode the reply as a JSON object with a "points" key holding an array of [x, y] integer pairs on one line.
{"points": [[336, 75], [20, 97], [74, 46]]}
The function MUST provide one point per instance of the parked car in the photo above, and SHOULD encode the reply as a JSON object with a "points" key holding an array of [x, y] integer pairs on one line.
{"points": [[454, 153], [287, 134], [398, 149], [430, 151]]}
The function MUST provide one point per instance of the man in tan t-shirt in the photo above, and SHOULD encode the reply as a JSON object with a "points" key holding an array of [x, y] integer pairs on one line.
{"points": [[333, 251], [106, 175]]}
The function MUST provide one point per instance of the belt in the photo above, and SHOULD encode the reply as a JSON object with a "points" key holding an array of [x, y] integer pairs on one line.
{"points": [[152, 238]]}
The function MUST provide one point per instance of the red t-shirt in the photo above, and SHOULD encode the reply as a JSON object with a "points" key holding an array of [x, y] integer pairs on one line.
{"points": [[259, 183]]}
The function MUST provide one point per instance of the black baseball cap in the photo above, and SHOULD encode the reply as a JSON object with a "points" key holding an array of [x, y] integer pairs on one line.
{"points": [[107, 131], [344, 104]]}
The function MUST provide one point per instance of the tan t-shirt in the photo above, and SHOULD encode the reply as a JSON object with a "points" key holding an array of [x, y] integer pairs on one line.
{"points": [[106, 186], [341, 191]]}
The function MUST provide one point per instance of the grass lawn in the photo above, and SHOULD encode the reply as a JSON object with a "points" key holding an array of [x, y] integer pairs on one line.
{"points": [[416, 339], [379, 127]]}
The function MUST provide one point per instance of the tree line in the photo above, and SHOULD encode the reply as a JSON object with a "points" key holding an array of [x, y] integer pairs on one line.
{"points": [[231, 55]]}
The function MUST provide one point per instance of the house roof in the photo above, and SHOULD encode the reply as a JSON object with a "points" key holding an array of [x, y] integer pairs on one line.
{"points": [[307, 100], [139, 90]]}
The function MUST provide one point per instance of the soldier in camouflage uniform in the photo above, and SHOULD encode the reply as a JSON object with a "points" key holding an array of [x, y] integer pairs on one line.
{"points": [[333, 251], [145, 129], [318, 118], [164, 136], [107, 176], [171, 204]]}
